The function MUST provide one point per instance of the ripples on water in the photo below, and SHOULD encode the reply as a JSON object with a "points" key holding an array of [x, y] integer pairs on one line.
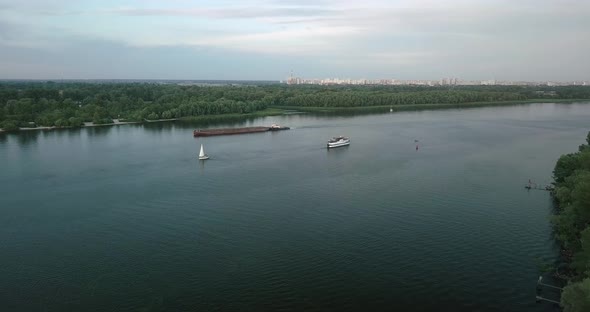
{"points": [[127, 219]]}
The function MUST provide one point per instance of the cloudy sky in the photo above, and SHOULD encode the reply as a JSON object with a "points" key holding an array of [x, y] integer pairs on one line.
{"points": [[266, 39]]}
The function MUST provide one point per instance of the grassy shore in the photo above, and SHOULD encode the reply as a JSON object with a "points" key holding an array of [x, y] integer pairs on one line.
{"points": [[273, 111], [414, 107], [280, 110], [206, 119]]}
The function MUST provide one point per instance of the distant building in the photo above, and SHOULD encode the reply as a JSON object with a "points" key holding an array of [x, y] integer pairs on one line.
{"points": [[442, 82]]}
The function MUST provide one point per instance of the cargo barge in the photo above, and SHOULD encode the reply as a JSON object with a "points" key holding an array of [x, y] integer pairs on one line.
{"points": [[227, 131]]}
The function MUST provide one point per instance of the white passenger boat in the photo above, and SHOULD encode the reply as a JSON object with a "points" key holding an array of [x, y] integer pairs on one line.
{"points": [[338, 142]]}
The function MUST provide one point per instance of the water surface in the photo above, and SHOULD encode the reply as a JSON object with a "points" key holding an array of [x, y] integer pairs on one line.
{"points": [[127, 219]]}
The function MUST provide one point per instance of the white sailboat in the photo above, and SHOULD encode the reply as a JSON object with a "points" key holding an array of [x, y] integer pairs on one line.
{"points": [[202, 155]]}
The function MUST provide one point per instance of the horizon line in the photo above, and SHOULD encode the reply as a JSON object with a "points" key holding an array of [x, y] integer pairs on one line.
{"points": [[280, 80]]}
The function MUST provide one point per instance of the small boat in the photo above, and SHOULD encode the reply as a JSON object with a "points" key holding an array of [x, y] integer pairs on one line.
{"points": [[275, 127], [202, 155], [338, 141]]}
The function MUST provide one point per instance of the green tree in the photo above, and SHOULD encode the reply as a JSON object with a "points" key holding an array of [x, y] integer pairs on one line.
{"points": [[45, 120], [573, 195], [61, 123], [576, 297], [153, 116], [167, 114], [101, 115], [74, 122], [46, 103], [566, 165], [581, 260], [572, 224], [586, 146], [9, 125]]}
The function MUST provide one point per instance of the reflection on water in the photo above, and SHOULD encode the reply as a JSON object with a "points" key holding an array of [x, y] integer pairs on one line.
{"points": [[211, 121], [71, 133], [27, 137], [98, 131], [202, 165], [159, 126], [336, 150]]}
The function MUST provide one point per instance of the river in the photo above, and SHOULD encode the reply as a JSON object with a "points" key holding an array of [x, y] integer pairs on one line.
{"points": [[126, 218]]}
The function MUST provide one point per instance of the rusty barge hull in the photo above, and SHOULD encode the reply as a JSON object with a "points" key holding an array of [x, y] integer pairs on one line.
{"points": [[228, 131]]}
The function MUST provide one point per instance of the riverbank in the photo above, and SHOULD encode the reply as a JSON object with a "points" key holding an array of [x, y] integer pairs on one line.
{"points": [[272, 111], [160, 120], [572, 225], [204, 119], [284, 110], [68, 104], [115, 122], [414, 107]]}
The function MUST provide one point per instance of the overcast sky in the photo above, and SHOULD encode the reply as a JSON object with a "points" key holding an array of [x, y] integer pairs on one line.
{"points": [[266, 39]]}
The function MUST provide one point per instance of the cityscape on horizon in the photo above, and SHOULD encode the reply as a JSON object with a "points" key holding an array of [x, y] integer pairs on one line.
{"points": [[428, 82], [328, 81]]}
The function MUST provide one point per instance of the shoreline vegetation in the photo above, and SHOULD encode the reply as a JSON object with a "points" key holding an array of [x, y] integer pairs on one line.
{"points": [[572, 226], [419, 107], [49, 105], [286, 110], [205, 119]]}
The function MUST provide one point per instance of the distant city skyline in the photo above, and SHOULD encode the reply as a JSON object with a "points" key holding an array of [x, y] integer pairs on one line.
{"points": [[447, 81], [503, 40]]}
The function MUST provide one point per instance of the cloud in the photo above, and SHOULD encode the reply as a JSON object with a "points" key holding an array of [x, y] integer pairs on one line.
{"points": [[101, 59], [225, 13], [22, 35], [291, 42], [436, 38]]}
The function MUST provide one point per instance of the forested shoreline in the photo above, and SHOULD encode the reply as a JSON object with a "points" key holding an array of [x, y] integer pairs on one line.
{"points": [[572, 225], [70, 104]]}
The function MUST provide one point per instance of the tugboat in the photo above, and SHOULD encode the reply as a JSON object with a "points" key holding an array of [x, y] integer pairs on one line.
{"points": [[338, 142], [275, 127]]}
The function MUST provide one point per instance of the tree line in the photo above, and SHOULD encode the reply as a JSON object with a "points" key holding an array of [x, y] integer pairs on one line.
{"points": [[572, 224], [29, 104]]}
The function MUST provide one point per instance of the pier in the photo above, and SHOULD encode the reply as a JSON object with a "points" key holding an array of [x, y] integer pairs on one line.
{"points": [[534, 186], [540, 286]]}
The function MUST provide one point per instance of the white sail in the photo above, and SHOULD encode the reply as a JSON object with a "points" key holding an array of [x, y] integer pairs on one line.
{"points": [[202, 155]]}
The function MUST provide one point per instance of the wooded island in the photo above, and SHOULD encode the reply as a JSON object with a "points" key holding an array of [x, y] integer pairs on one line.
{"points": [[29, 104]]}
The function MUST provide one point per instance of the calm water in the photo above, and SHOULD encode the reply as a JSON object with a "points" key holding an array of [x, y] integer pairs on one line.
{"points": [[127, 219]]}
